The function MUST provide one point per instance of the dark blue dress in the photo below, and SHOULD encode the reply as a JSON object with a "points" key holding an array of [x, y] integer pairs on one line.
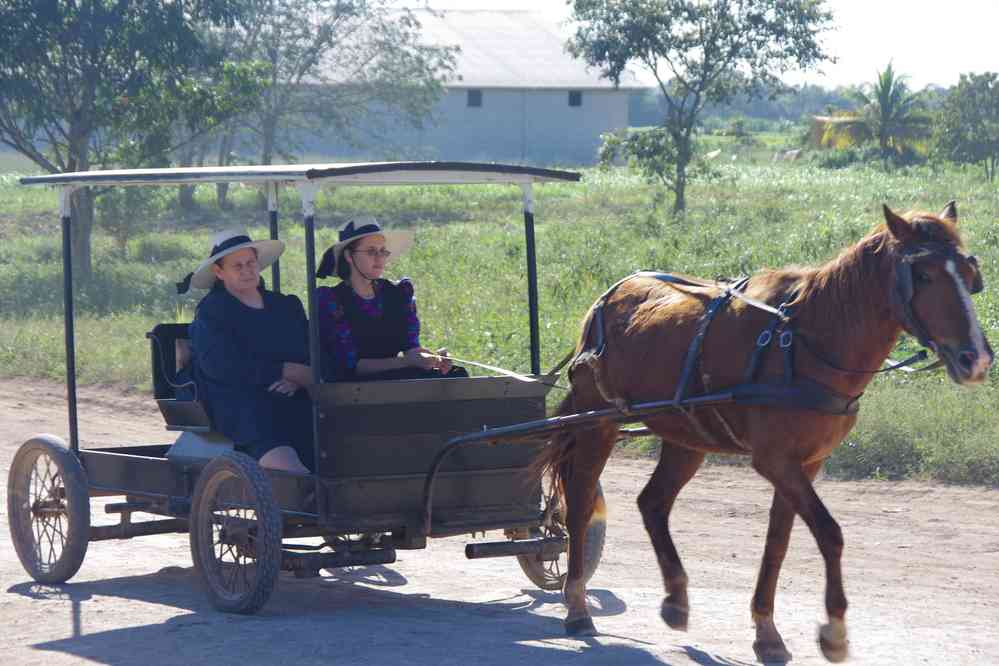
{"points": [[238, 353]]}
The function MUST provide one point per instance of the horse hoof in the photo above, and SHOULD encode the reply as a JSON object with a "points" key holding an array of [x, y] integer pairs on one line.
{"points": [[833, 643], [771, 653], [675, 616], [580, 627]]}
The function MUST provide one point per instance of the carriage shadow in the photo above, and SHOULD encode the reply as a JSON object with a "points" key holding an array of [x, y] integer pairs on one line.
{"points": [[312, 620]]}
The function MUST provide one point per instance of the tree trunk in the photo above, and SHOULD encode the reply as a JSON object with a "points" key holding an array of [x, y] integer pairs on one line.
{"points": [[185, 193], [82, 226], [225, 157], [683, 155], [268, 131], [82, 201]]}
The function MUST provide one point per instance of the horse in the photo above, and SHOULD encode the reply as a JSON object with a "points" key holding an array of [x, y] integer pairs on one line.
{"points": [[837, 324]]}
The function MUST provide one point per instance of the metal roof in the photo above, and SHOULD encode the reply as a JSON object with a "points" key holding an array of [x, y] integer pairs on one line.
{"points": [[360, 173], [513, 49]]}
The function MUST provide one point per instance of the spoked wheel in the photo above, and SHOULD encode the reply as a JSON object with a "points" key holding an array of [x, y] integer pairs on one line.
{"points": [[49, 509], [550, 574], [235, 529]]}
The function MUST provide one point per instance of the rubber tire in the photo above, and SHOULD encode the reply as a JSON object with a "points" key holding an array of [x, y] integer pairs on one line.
{"points": [[268, 540], [596, 533], [77, 501]]}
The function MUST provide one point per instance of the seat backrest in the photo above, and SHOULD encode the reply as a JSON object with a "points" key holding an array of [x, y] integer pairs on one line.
{"points": [[170, 347], [163, 342]]}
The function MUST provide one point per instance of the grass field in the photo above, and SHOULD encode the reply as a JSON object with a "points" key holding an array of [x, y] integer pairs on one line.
{"points": [[469, 270]]}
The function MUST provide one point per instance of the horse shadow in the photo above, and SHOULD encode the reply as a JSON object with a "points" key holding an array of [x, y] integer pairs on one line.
{"points": [[356, 616]]}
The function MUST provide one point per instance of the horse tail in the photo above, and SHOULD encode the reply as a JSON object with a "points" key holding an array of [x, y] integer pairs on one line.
{"points": [[555, 459]]}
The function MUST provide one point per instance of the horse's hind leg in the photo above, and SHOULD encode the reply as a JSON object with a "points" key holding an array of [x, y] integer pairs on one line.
{"points": [[676, 467], [579, 477], [794, 494]]}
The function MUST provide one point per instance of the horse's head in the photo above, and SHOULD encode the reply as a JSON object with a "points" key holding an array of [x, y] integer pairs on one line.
{"points": [[934, 278]]}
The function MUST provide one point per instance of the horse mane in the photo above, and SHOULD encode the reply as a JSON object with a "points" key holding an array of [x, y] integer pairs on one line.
{"points": [[850, 290]]}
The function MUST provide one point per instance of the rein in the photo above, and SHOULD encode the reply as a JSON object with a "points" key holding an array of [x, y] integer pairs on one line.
{"points": [[904, 364], [510, 373]]}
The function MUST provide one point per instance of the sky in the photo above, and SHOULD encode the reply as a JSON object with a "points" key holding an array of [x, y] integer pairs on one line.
{"points": [[929, 43]]}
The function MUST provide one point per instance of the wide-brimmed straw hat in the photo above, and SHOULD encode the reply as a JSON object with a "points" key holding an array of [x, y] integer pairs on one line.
{"points": [[396, 242], [227, 242]]}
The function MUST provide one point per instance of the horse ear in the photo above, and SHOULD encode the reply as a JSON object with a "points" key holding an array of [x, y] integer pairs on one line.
{"points": [[949, 212], [899, 227]]}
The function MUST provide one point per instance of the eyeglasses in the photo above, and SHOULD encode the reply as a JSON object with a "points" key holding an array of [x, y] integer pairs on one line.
{"points": [[373, 254]]}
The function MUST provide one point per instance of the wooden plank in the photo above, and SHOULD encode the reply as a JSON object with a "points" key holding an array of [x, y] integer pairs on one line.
{"points": [[425, 390], [429, 417], [361, 455]]}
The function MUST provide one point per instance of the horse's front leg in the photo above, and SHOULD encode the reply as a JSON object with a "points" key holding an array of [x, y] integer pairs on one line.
{"points": [[794, 486], [676, 467], [769, 646]]}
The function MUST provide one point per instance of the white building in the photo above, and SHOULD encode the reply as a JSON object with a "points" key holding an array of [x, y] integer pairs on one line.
{"points": [[518, 95]]}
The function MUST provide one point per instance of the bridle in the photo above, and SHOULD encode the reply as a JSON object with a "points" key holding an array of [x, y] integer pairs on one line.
{"points": [[903, 289]]}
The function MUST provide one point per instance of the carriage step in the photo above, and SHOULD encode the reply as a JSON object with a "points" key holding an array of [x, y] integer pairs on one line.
{"points": [[127, 507], [305, 563], [128, 530], [547, 549]]}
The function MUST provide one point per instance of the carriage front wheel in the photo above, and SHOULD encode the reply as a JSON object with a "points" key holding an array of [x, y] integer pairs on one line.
{"points": [[550, 574], [48, 506], [235, 530]]}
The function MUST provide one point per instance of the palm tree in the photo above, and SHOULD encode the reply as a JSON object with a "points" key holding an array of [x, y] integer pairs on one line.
{"points": [[887, 112]]}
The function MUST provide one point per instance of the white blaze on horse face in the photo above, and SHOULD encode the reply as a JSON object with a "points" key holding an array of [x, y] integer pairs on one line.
{"points": [[982, 361]]}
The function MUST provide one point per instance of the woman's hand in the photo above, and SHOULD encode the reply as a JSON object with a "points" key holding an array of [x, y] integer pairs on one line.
{"points": [[298, 374], [418, 357], [444, 363], [284, 387]]}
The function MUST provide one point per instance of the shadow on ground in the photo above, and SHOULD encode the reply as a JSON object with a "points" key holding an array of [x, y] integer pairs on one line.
{"points": [[353, 616]]}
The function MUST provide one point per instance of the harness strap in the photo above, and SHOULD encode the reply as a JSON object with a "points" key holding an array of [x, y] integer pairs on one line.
{"points": [[799, 394], [693, 356]]}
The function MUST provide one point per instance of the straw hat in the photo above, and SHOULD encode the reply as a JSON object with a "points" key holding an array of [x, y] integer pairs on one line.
{"points": [[396, 242], [224, 243]]}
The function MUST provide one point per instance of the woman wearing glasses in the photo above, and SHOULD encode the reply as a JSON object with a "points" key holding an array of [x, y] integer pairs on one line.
{"points": [[368, 325]]}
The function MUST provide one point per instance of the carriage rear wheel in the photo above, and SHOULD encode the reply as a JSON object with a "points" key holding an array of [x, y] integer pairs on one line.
{"points": [[49, 509], [550, 574], [235, 530]]}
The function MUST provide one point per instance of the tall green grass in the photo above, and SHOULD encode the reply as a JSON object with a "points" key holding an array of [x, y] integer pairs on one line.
{"points": [[469, 269]]}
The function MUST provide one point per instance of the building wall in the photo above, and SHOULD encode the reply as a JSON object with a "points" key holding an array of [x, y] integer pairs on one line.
{"points": [[533, 126], [524, 126]]}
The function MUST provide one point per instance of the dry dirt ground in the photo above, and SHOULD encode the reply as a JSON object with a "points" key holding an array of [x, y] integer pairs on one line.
{"points": [[921, 567]]}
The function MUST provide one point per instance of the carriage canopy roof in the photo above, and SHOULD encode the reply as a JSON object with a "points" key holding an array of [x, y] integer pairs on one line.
{"points": [[361, 173]]}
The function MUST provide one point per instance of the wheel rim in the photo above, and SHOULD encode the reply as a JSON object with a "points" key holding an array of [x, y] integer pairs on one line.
{"points": [[229, 536], [553, 526], [45, 512]]}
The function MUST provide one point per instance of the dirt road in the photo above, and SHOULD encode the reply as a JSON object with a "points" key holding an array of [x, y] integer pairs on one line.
{"points": [[921, 567]]}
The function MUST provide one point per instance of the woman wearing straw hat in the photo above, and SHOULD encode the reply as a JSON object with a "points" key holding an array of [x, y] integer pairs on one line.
{"points": [[368, 325], [250, 350]]}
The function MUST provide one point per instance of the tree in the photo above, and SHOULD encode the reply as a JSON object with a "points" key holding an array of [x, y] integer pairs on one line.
{"points": [[888, 113], [80, 81], [968, 128], [699, 52], [337, 67]]}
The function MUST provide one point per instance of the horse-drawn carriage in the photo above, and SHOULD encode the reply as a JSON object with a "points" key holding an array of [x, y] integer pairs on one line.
{"points": [[770, 367], [385, 478]]}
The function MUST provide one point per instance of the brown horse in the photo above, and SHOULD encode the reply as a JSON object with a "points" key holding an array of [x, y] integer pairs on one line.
{"points": [[910, 274]]}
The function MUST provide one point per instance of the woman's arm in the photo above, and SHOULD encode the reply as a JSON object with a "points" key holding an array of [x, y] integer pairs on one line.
{"points": [[221, 358], [335, 337]]}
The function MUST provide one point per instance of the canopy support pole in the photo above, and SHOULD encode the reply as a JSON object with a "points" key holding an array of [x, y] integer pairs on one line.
{"points": [[532, 277], [273, 218], [65, 212], [308, 191]]}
